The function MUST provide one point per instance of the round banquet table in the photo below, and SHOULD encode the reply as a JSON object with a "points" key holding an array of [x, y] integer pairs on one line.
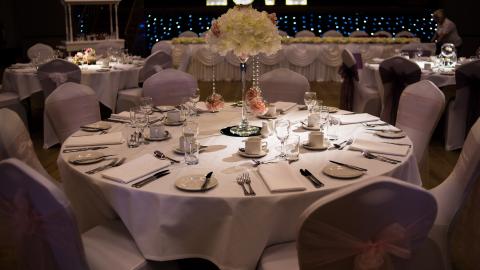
{"points": [[221, 225], [106, 85]]}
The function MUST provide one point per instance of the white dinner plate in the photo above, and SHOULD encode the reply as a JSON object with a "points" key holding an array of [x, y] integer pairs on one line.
{"points": [[244, 154], [339, 171], [177, 150], [390, 135], [96, 126], [194, 182], [166, 136], [315, 148], [87, 157]]}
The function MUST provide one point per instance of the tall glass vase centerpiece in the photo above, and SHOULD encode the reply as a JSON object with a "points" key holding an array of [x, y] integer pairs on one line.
{"points": [[245, 32]]}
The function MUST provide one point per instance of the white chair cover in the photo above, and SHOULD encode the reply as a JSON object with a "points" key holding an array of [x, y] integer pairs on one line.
{"points": [[188, 34], [169, 87], [282, 33], [419, 110], [305, 33], [10, 100], [15, 141], [383, 34], [386, 229], [396, 73], [128, 98], [332, 33], [284, 85], [359, 34], [301, 59], [44, 232], [405, 34], [162, 45], [40, 51], [102, 48], [464, 110], [355, 95], [154, 63], [451, 193], [56, 72], [70, 106]]}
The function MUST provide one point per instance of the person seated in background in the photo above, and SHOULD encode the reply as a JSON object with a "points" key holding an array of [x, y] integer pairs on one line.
{"points": [[446, 31]]}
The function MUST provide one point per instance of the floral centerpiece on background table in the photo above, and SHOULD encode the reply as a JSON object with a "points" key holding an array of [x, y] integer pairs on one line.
{"points": [[88, 56], [245, 32]]}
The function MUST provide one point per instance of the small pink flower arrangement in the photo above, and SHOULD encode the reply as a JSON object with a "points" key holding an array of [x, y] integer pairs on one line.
{"points": [[215, 102], [258, 106], [252, 93]]}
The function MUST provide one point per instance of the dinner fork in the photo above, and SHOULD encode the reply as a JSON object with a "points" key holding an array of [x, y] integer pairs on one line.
{"points": [[241, 182], [103, 167], [248, 181]]}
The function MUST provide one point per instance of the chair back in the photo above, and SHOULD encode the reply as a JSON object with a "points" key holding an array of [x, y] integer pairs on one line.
{"points": [[379, 223], [39, 220], [349, 72], [405, 34], [282, 33], [68, 108], [332, 33], [396, 74], [56, 72], [359, 33], [162, 45], [304, 33], [169, 87], [383, 34], [188, 34], [419, 110], [467, 78], [41, 52], [156, 62], [15, 141], [282, 84]]}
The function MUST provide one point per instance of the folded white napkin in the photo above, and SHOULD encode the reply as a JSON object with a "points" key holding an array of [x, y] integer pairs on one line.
{"points": [[283, 106], [279, 177], [136, 169], [103, 139], [379, 147], [355, 118]]}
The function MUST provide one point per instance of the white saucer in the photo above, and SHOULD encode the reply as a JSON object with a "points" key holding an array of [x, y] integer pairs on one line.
{"points": [[165, 137], [194, 182], [168, 123], [390, 135], [244, 154], [177, 150], [310, 128], [87, 157], [267, 116], [96, 126], [332, 109], [339, 171], [323, 147], [103, 70]]}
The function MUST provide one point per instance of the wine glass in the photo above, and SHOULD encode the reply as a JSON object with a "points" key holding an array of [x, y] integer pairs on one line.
{"points": [[195, 98], [323, 119], [310, 99], [419, 52], [141, 121], [282, 130]]}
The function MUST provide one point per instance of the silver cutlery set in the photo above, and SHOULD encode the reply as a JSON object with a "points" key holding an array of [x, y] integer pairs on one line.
{"points": [[114, 163], [244, 181]]}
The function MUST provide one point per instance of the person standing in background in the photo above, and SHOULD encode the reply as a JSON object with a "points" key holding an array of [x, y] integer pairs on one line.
{"points": [[446, 31]]}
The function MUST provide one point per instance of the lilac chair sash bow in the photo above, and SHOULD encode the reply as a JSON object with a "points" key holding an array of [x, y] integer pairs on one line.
{"points": [[349, 75], [467, 80], [399, 73]]}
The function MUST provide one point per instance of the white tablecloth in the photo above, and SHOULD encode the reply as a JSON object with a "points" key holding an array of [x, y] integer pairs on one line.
{"points": [[317, 62], [105, 84], [221, 225]]}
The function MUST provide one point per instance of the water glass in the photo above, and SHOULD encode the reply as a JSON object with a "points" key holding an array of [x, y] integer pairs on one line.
{"points": [[333, 126], [190, 148], [282, 131], [132, 116], [310, 99], [141, 121], [292, 147], [195, 98]]}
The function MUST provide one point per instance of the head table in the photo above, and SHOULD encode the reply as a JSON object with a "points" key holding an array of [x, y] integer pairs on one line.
{"points": [[106, 84], [221, 225]]}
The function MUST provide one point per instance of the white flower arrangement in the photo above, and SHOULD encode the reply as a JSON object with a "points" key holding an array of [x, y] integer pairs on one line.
{"points": [[245, 31]]}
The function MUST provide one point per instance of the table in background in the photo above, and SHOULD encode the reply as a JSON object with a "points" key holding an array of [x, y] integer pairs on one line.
{"points": [[221, 225]]}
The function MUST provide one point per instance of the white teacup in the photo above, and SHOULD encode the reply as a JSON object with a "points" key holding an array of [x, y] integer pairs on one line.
{"points": [[157, 131], [173, 116], [315, 139], [271, 110], [254, 146], [313, 120]]}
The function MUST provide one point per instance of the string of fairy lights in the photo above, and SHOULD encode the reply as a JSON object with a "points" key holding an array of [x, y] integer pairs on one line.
{"points": [[164, 27]]}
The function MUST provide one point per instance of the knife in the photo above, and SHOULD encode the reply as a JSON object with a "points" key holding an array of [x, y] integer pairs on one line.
{"points": [[307, 172], [314, 181], [349, 166], [83, 149], [151, 178], [207, 180]]}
